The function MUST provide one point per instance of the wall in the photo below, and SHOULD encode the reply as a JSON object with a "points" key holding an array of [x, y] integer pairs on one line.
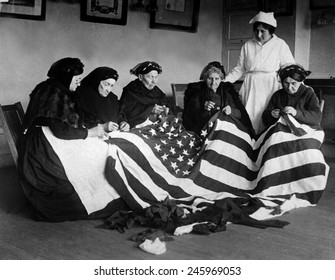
{"points": [[28, 47]]}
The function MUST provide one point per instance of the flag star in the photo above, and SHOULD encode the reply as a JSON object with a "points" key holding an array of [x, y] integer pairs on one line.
{"points": [[210, 124], [179, 143], [191, 144], [153, 132], [145, 136], [172, 129], [180, 158], [164, 142], [165, 125], [157, 147], [177, 170], [174, 165], [164, 157], [169, 134], [161, 129], [206, 141], [176, 120], [204, 133], [185, 173], [185, 153], [190, 162], [172, 150]]}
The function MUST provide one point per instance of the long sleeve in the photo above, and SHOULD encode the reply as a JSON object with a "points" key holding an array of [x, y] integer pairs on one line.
{"points": [[64, 131]]}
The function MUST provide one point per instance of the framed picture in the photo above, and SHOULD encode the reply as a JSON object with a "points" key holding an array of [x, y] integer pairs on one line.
{"points": [[279, 7], [321, 4], [232, 5], [180, 15], [104, 11], [25, 9]]}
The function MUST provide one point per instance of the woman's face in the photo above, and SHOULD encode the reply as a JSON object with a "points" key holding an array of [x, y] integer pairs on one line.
{"points": [[213, 81], [149, 80], [262, 35], [75, 82], [105, 87], [291, 86]]}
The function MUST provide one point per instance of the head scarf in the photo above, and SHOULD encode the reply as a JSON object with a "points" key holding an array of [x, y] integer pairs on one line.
{"points": [[64, 69], [215, 65], [267, 18], [294, 71], [146, 67], [103, 109]]}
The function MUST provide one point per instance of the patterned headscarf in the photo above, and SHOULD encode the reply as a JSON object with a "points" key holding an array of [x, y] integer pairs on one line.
{"points": [[294, 71], [212, 65], [64, 69], [146, 67]]}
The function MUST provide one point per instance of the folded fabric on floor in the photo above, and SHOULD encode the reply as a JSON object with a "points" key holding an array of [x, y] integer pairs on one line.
{"points": [[224, 167]]}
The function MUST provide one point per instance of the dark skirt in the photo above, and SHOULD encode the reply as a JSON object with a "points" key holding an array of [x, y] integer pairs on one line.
{"points": [[46, 186]]}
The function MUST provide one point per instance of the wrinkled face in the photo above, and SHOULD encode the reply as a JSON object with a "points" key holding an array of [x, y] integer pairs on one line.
{"points": [[75, 82], [105, 87], [262, 35], [149, 80], [213, 81], [290, 85]]}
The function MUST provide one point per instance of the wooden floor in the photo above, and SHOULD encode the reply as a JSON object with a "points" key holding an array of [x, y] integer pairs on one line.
{"points": [[309, 236]]}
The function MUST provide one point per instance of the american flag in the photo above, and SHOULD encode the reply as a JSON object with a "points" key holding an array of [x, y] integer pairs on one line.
{"points": [[277, 172]]}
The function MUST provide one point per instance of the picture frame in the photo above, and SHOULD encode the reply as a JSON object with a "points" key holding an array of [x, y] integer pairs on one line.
{"points": [[179, 15], [236, 5], [23, 9], [279, 7], [104, 11], [321, 4]]}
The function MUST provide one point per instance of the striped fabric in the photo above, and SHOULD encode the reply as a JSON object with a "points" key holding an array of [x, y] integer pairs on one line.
{"points": [[277, 172]]}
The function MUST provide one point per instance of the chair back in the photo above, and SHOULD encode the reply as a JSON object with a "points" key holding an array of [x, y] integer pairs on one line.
{"points": [[11, 118], [178, 91]]}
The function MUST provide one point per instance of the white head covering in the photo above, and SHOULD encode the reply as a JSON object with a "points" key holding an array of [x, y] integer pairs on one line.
{"points": [[264, 17]]}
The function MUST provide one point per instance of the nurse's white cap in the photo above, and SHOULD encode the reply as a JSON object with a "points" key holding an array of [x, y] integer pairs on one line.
{"points": [[265, 17]]}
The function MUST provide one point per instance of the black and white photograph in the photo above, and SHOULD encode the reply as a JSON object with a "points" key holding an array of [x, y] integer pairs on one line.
{"points": [[167, 139]]}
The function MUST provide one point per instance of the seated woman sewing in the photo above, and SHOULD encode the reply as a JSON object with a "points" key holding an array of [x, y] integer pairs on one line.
{"points": [[295, 98], [205, 98]]}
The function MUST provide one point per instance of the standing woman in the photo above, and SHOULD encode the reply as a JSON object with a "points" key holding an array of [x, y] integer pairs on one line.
{"points": [[41, 173], [205, 98], [97, 102], [259, 60], [142, 101]]}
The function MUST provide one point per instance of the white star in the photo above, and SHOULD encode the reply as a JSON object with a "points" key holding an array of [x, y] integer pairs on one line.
{"points": [[190, 162], [179, 143], [177, 170], [145, 136], [157, 147], [185, 153], [172, 129], [164, 142], [185, 173], [174, 165], [191, 144], [172, 150], [206, 141], [153, 132], [210, 124], [169, 134], [204, 133], [164, 157], [165, 125], [180, 158], [161, 129]]}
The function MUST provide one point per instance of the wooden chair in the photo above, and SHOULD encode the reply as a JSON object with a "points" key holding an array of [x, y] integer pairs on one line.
{"points": [[11, 118], [178, 91]]}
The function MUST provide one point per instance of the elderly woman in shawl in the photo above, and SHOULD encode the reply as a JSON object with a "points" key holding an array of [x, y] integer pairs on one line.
{"points": [[295, 98], [142, 102], [99, 105], [51, 114], [205, 98]]}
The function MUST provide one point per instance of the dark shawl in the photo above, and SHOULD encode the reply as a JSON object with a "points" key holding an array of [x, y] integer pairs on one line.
{"points": [[196, 94], [137, 102], [94, 107]]}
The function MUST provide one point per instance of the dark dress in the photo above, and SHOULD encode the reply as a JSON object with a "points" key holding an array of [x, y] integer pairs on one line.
{"points": [[304, 101], [195, 116], [41, 172], [137, 102]]}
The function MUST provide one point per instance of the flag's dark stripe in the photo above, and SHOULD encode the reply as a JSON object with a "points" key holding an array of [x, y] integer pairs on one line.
{"points": [[290, 175]]}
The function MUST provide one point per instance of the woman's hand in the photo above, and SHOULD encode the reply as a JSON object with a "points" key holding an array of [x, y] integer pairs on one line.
{"points": [[157, 109], [227, 110], [209, 105], [290, 110], [124, 126], [97, 131], [112, 126], [275, 113]]}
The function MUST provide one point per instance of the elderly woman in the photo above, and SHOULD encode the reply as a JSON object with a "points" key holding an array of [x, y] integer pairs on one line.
{"points": [[295, 98], [51, 114], [259, 60], [99, 105], [142, 102], [206, 97]]}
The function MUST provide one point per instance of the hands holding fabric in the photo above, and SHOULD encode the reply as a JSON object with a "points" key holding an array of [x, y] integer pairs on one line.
{"points": [[287, 110]]}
